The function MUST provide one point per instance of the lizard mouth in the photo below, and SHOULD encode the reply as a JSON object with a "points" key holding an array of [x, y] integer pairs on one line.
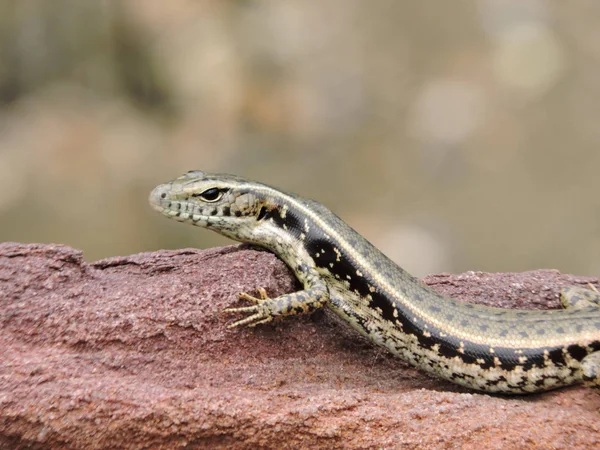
{"points": [[178, 210]]}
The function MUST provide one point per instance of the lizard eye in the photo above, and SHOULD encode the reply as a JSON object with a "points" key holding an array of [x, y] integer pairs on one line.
{"points": [[210, 195]]}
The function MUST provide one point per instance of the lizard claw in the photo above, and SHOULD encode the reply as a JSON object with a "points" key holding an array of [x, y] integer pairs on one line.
{"points": [[260, 314], [256, 300]]}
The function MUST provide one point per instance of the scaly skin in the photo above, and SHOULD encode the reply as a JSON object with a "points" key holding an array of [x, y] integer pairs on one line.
{"points": [[483, 348]]}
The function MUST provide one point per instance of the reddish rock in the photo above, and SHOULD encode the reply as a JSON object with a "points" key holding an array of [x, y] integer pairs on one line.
{"points": [[133, 352]]}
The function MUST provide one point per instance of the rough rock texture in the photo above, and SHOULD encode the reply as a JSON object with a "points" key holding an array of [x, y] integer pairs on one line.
{"points": [[132, 352]]}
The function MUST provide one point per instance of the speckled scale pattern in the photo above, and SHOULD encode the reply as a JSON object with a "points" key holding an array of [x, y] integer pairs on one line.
{"points": [[484, 348]]}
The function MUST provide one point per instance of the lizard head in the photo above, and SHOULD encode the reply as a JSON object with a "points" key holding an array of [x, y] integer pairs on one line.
{"points": [[227, 204]]}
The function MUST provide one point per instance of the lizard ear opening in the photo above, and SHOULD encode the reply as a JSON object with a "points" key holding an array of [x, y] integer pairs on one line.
{"points": [[262, 213]]}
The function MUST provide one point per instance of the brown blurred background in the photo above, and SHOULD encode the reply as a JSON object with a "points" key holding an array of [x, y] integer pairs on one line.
{"points": [[456, 135]]}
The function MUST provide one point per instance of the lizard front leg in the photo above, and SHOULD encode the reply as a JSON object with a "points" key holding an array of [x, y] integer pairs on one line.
{"points": [[265, 309]]}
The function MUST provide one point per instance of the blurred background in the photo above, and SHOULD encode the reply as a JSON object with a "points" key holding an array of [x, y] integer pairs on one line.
{"points": [[453, 135]]}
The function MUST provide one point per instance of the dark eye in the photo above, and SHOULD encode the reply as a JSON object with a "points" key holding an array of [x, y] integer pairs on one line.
{"points": [[210, 195]]}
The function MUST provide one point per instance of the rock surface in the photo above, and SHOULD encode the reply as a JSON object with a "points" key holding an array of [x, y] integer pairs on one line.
{"points": [[133, 352]]}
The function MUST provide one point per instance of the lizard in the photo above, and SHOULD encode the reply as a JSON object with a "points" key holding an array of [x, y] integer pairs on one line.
{"points": [[484, 348]]}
